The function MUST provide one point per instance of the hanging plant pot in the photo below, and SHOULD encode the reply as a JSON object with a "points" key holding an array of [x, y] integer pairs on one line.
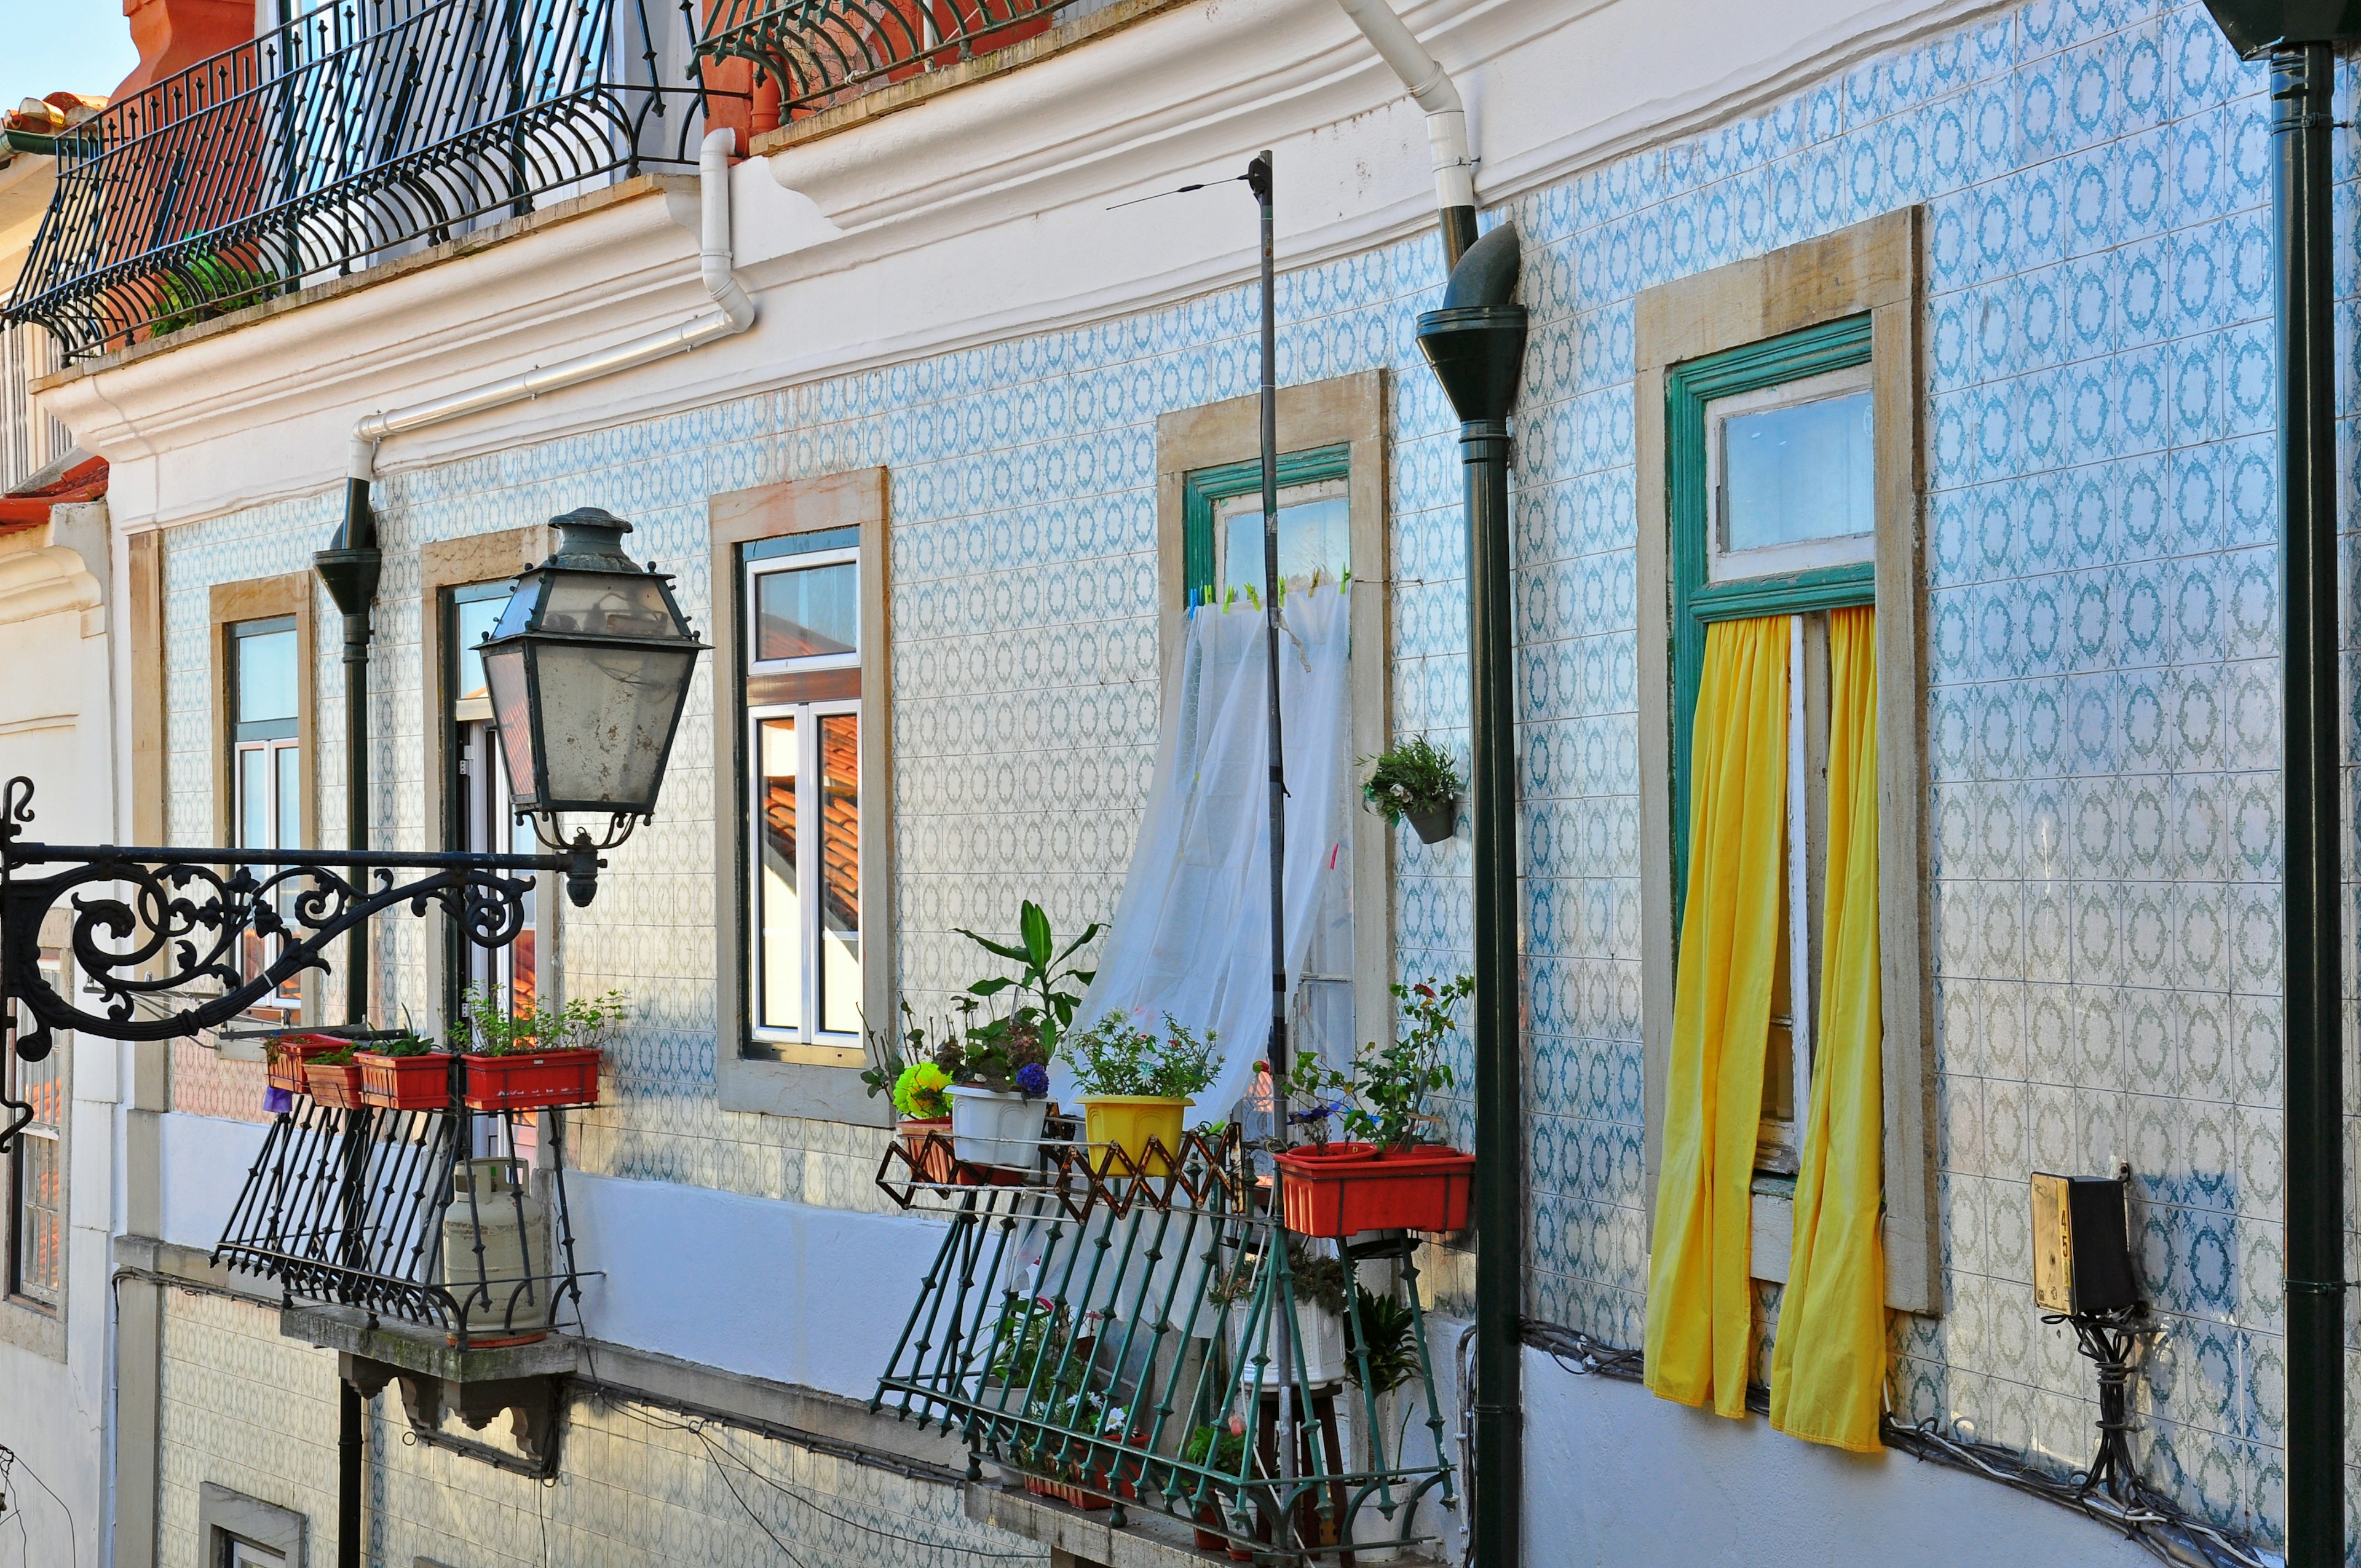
{"points": [[1343, 1188], [336, 1085], [287, 1054], [928, 1162], [1129, 1121], [405, 1083], [1436, 823], [991, 1128], [532, 1081]]}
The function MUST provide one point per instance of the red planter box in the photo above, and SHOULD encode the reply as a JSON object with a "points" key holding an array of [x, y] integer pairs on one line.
{"points": [[405, 1083], [532, 1081], [1346, 1188], [287, 1054], [337, 1086]]}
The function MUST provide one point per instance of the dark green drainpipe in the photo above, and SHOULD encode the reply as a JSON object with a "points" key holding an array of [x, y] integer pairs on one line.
{"points": [[1477, 344]]}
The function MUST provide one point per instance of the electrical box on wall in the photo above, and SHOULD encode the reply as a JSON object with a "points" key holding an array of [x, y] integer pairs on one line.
{"points": [[2082, 1245]]}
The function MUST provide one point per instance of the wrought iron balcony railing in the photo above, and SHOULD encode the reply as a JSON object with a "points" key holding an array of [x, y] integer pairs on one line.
{"points": [[1118, 1334], [358, 128], [816, 51], [396, 1213]]}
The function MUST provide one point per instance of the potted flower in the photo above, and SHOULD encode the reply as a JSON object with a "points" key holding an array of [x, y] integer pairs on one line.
{"points": [[1221, 1450], [288, 1053], [908, 1072], [539, 1060], [1386, 1180], [1135, 1090], [405, 1072], [332, 1079], [1416, 781], [1000, 1077], [1318, 1283], [1050, 979]]}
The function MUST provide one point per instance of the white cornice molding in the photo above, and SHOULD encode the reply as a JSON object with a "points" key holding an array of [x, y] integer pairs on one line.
{"points": [[971, 216], [49, 580]]}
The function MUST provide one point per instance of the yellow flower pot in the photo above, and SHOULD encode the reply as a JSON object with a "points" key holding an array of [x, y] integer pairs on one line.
{"points": [[1129, 1121]]}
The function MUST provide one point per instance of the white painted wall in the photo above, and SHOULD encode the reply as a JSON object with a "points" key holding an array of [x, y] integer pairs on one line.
{"points": [[1617, 1478]]}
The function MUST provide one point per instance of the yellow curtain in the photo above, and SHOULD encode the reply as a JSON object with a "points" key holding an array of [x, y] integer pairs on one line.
{"points": [[1828, 1363], [1699, 1328]]}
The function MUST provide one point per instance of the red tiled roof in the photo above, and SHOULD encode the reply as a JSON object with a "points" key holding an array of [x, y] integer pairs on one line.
{"points": [[85, 482]]}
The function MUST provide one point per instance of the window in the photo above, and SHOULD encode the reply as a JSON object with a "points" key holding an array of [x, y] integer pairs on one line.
{"points": [[239, 1553], [265, 756], [1777, 411], [1223, 549], [801, 651], [240, 1531], [482, 819], [35, 1260]]}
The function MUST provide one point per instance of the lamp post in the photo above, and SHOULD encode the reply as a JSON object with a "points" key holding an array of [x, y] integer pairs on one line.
{"points": [[1476, 344], [589, 669], [2297, 36]]}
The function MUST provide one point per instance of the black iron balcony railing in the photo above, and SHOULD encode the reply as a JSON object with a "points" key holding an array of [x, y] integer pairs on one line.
{"points": [[358, 128], [816, 51], [1118, 1334], [422, 1217]]}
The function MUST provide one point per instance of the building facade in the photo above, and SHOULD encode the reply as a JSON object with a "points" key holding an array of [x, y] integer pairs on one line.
{"points": [[988, 388]]}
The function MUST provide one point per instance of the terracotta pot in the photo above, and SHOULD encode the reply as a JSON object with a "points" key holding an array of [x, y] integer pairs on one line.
{"points": [[1343, 1188], [405, 1083], [1205, 1540], [287, 1054], [337, 1086], [532, 1081], [927, 1164]]}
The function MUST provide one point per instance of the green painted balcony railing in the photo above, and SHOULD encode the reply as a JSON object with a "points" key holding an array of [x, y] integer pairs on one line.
{"points": [[1113, 1338]]}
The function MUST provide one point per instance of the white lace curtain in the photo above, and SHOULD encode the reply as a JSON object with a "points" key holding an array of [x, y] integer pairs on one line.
{"points": [[1192, 932]]}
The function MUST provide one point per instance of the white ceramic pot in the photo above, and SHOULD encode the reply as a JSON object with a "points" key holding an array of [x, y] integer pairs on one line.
{"points": [[1322, 1349], [991, 1128]]}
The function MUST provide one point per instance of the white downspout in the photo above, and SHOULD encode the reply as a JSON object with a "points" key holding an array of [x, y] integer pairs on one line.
{"points": [[1446, 118], [732, 314]]}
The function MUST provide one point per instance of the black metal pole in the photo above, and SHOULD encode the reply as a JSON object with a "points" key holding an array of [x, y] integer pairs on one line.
{"points": [[1477, 344], [2302, 92], [1283, 1350], [348, 1475]]}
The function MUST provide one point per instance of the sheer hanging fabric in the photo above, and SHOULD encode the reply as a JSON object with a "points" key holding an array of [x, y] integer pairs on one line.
{"points": [[1192, 932], [1700, 1302], [1827, 1364]]}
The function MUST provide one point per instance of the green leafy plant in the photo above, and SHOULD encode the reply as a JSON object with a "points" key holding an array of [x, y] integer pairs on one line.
{"points": [[408, 1043], [207, 286], [1318, 1279], [1384, 1097], [1222, 1449], [1112, 1057], [1008, 1055], [892, 1055], [1049, 980], [487, 1028], [1389, 1332], [341, 1057], [1411, 778]]}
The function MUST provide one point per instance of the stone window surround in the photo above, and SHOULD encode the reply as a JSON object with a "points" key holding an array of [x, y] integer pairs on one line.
{"points": [[221, 1513], [1345, 411], [818, 1090], [1877, 267], [266, 598]]}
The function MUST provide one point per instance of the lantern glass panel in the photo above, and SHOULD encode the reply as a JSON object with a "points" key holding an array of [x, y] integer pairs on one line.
{"points": [[607, 716], [600, 604], [504, 675]]}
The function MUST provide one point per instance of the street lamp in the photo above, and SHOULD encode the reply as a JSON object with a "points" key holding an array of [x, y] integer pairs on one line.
{"points": [[588, 670]]}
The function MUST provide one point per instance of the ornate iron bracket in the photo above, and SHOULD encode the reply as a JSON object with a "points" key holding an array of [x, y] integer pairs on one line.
{"points": [[158, 923]]}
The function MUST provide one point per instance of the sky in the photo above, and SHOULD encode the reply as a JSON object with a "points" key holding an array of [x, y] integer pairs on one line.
{"points": [[81, 45]]}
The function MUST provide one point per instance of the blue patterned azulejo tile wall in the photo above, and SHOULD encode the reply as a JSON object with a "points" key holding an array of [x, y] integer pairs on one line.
{"points": [[2102, 703]]}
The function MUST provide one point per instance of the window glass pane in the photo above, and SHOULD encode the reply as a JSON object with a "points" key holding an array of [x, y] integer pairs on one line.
{"points": [[473, 619], [1797, 473], [291, 797], [37, 1225], [814, 610], [266, 676], [253, 798], [778, 920], [840, 869], [1314, 533]]}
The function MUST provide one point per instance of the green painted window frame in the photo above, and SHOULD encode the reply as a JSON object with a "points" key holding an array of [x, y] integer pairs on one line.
{"points": [[1205, 488], [1696, 602]]}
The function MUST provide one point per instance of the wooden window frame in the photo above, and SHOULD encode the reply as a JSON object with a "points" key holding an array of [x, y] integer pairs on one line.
{"points": [[230, 606], [27, 1321], [1695, 337], [820, 1082], [1348, 413]]}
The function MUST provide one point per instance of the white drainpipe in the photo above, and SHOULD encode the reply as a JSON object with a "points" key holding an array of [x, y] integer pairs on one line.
{"points": [[732, 314], [1446, 118]]}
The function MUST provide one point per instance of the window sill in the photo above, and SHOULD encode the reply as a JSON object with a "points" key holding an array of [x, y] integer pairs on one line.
{"points": [[807, 1090]]}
